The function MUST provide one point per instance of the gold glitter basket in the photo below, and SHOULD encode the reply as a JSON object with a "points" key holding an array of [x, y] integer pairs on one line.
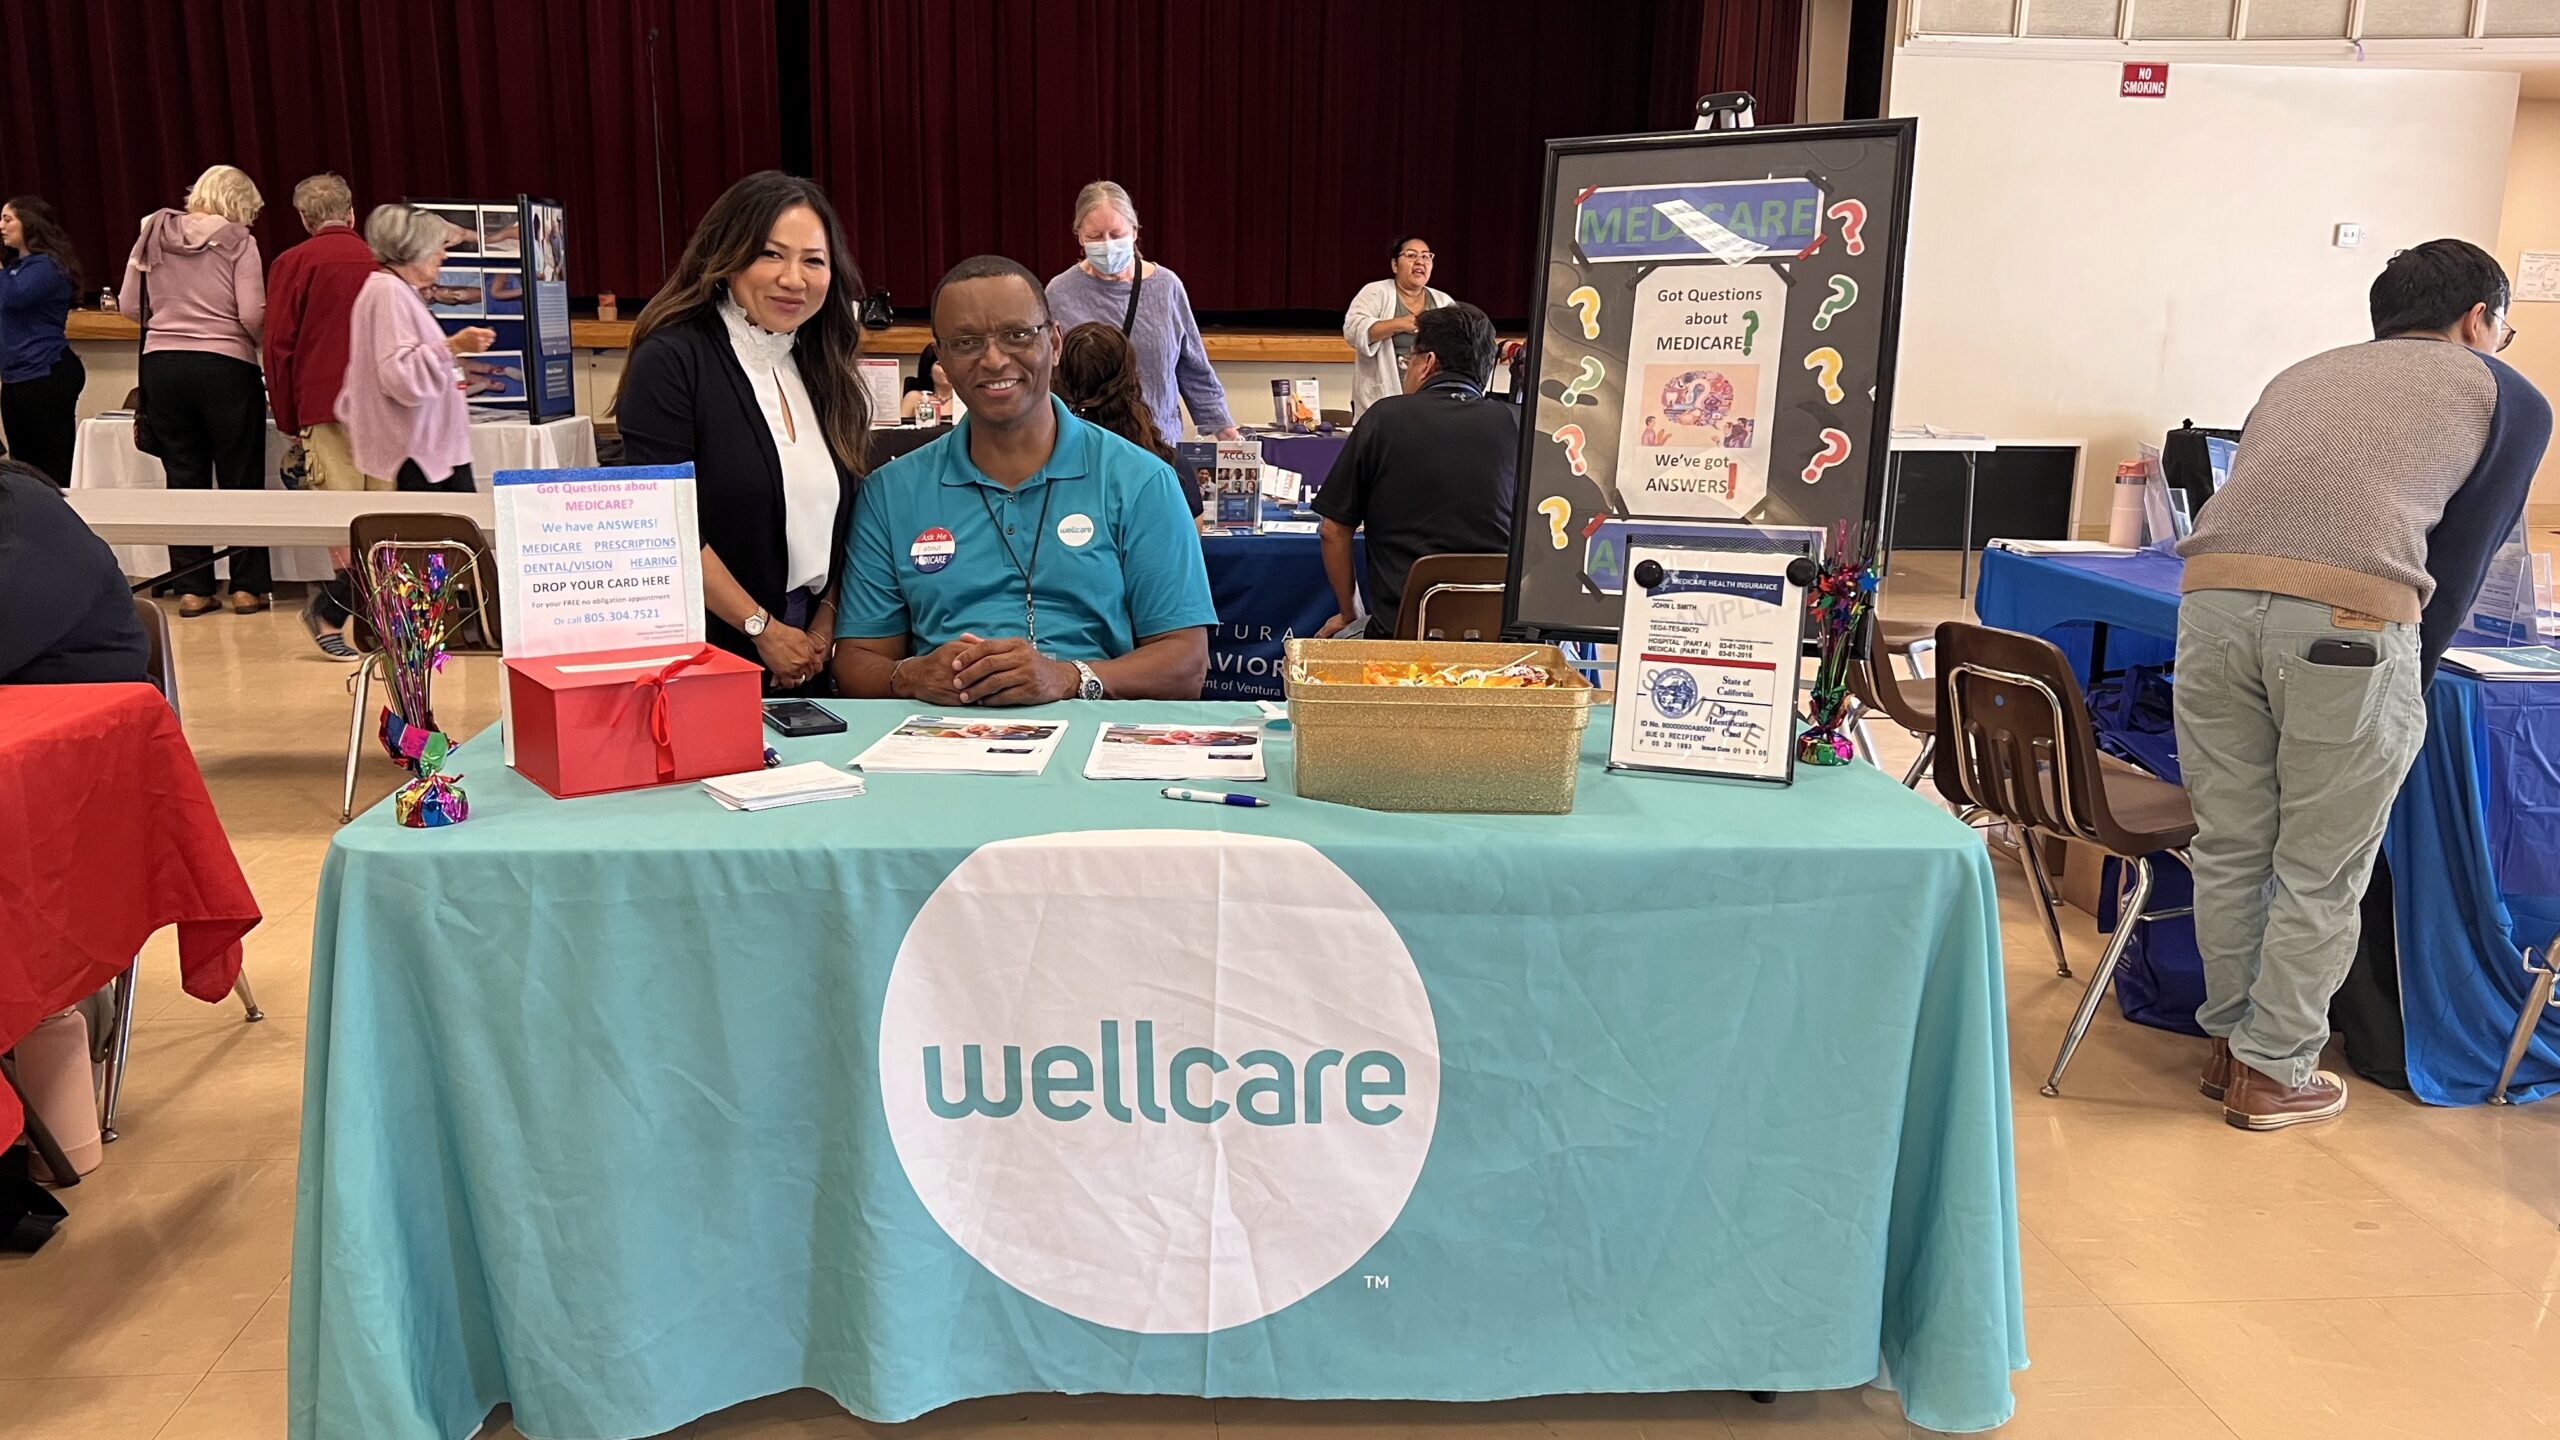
{"points": [[1441, 748]]}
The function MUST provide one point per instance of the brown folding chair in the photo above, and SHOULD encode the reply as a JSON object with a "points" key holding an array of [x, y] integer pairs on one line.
{"points": [[466, 550], [114, 1040], [162, 661], [1911, 704], [1453, 597], [2019, 745]]}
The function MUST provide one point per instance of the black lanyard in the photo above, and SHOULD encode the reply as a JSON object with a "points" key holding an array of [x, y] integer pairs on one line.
{"points": [[1030, 617]]}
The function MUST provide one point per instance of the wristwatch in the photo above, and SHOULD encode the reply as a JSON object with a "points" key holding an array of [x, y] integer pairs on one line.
{"points": [[755, 624], [1088, 684]]}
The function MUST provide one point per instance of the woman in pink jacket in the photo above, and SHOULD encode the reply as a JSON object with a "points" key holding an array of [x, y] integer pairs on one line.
{"points": [[194, 283], [402, 403]]}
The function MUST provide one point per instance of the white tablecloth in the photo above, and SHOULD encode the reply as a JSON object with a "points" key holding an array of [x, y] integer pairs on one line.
{"points": [[105, 459]]}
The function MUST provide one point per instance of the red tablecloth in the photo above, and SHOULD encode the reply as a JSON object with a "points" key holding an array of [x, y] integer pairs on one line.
{"points": [[106, 834]]}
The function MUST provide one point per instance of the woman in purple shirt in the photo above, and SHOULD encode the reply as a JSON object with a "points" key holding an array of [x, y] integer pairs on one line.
{"points": [[40, 377], [1145, 302]]}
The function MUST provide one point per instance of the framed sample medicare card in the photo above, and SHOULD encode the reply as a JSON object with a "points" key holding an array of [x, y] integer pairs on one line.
{"points": [[1710, 648], [1713, 345]]}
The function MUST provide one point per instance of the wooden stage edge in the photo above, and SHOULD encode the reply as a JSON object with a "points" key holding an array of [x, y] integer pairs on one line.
{"points": [[1270, 347]]}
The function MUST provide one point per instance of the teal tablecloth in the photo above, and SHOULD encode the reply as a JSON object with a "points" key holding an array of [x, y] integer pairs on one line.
{"points": [[1713, 1096]]}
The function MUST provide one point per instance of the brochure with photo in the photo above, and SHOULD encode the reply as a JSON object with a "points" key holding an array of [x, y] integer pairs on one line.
{"points": [[1176, 752], [963, 745]]}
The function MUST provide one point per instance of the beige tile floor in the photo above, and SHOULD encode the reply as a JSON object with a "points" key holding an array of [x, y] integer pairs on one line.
{"points": [[2390, 1275]]}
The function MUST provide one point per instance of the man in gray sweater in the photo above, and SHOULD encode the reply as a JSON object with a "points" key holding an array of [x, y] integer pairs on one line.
{"points": [[2323, 582]]}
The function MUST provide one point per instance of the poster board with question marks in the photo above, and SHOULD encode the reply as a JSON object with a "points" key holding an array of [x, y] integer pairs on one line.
{"points": [[1713, 344]]}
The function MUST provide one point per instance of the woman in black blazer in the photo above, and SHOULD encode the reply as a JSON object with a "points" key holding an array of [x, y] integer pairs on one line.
{"points": [[743, 363]]}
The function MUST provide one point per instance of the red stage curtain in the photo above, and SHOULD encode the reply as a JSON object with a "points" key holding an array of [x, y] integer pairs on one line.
{"points": [[112, 107], [1273, 151]]}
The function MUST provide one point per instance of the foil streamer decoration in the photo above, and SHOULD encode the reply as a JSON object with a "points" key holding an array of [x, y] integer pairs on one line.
{"points": [[415, 609], [1841, 599]]}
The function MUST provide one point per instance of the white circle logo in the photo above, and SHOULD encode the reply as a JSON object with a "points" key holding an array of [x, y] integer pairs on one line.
{"points": [[1075, 530], [1163, 1080]]}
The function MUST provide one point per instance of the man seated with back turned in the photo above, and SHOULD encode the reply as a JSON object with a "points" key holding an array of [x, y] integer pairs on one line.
{"points": [[66, 617], [1027, 556], [2374, 483], [1429, 472]]}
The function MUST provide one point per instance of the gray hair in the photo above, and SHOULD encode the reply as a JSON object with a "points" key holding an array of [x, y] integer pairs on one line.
{"points": [[323, 198], [1099, 194], [403, 234]]}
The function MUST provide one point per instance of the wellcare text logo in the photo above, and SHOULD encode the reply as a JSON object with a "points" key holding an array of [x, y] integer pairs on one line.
{"points": [[1061, 1074], [1168, 1081]]}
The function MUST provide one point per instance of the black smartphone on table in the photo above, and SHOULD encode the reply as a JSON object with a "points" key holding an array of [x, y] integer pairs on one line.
{"points": [[793, 719]]}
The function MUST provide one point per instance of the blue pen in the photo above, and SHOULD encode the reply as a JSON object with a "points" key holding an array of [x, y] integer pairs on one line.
{"points": [[1215, 797]]}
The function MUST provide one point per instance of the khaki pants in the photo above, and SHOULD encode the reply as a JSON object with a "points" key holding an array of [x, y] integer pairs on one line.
{"points": [[2292, 767], [333, 460]]}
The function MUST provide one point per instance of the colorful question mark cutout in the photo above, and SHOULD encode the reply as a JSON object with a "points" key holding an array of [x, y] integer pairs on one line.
{"points": [[1586, 303], [1570, 437], [1835, 448], [1750, 327], [1844, 293], [1852, 215], [1557, 510], [1588, 381], [1826, 362]]}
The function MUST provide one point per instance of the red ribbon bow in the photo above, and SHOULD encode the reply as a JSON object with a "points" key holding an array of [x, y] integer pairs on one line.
{"points": [[660, 730]]}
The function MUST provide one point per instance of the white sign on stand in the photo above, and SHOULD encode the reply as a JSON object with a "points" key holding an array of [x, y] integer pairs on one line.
{"points": [[1711, 644], [603, 559]]}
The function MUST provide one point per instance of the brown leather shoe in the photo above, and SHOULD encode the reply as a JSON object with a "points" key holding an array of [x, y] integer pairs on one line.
{"points": [[244, 603], [2259, 1102], [2216, 1079], [191, 606]]}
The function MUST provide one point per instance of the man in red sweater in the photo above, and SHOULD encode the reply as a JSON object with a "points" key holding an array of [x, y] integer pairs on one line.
{"points": [[311, 292]]}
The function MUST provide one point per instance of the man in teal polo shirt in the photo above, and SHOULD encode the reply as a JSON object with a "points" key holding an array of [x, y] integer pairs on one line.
{"points": [[1027, 556]]}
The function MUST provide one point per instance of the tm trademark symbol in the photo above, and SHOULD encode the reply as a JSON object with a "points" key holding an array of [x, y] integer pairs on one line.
{"points": [[1374, 1282]]}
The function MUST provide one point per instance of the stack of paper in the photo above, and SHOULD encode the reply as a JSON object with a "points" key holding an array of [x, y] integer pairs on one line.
{"points": [[963, 745], [1176, 752], [2524, 662], [2059, 547], [788, 785]]}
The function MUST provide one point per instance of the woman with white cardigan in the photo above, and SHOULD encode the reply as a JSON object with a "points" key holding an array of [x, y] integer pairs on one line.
{"points": [[1379, 324], [402, 403]]}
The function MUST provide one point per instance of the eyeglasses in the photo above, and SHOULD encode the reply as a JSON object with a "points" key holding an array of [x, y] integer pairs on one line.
{"points": [[2508, 338], [1416, 255], [1022, 341]]}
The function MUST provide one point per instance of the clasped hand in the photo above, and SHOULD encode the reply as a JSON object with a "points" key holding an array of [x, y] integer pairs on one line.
{"points": [[976, 671], [791, 653]]}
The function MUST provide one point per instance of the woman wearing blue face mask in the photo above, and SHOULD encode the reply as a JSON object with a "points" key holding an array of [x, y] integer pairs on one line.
{"points": [[1145, 302]]}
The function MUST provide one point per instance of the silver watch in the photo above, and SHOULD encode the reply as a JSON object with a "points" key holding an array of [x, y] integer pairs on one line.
{"points": [[1088, 684], [754, 625]]}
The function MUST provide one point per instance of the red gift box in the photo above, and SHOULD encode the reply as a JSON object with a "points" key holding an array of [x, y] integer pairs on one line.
{"points": [[624, 719]]}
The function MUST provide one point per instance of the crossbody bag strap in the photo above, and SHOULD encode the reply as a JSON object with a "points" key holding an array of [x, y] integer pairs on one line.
{"points": [[1137, 281]]}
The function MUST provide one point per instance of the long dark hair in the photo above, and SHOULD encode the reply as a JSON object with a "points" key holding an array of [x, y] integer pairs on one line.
{"points": [[42, 232], [1097, 376], [732, 234]]}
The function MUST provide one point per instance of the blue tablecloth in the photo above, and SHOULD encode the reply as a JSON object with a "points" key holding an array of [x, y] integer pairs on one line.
{"points": [[1267, 588], [2474, 840], [611, 1105]]}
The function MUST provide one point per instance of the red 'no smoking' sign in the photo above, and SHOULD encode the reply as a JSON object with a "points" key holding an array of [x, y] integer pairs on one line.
{"points": [[2146, 82]]}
